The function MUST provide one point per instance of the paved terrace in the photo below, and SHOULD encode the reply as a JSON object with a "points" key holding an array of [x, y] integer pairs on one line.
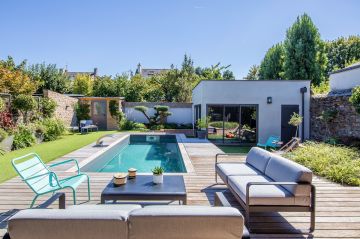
{"points": [[338, 207]]}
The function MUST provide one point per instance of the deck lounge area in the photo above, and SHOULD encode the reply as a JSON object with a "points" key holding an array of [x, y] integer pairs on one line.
{"points": [[337, 206]]}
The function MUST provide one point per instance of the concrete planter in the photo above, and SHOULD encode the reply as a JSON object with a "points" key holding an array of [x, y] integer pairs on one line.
{"points": [[201, 134], [158, 178]]}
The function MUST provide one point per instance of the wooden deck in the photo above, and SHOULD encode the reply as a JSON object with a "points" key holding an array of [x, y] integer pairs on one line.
{"points": [[338, 207]]}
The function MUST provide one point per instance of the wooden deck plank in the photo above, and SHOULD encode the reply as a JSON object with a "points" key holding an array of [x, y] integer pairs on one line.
{"points": [[337, 214]]}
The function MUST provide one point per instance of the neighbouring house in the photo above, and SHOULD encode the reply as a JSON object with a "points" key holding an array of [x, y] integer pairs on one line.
{"points": [[72, 74], [100, 111], [147, 72], [344, 125], [248, 111]]}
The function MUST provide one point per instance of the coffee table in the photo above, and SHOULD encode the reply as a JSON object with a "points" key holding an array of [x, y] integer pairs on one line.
{"points": [[142, 188]]}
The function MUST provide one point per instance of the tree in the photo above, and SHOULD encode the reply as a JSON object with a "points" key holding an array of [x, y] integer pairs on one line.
{"points": [[188, 65], [50, 77], [342, 51], [253, 73], [160, 115], [272, 66], [25, 104], [296, 121], [14, 80], [305, 56], [83, 84], [82, 110], [228, 75], [48, 107], [104, 86], [135, 89]]}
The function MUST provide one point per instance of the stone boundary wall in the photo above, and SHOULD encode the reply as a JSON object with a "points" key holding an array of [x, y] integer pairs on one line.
{"points": [[65, 109], [181, 112], [345, 126]]}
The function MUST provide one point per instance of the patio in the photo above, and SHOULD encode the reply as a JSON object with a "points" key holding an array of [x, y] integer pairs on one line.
{"points": [[337, 210]]}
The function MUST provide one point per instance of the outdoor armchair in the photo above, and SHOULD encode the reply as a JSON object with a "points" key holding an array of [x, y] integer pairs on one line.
{"points": [[271, 142], [42, 180]]}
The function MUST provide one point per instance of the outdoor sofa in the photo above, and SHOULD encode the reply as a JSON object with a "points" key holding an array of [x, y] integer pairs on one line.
{"points": [[86, 125], [131, 221], [267, 182]]}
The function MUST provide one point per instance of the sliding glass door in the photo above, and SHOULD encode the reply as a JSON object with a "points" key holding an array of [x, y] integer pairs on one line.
{"points": [[232, 124]]}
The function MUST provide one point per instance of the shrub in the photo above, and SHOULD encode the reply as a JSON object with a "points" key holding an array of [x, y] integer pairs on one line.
{"points": [[227, 125], [54, 128], [114, 110], [355, 98], [126, 124], [25, 104], [48, 107], [337, 163], [2, 105], [23, 137], [82, 111], [3, 134], [6, 121]]}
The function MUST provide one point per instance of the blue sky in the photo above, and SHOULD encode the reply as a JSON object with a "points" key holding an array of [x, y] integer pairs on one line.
{"points": [[115, 35]]}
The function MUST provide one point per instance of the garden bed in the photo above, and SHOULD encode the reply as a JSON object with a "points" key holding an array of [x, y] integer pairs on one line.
{"points": [[337, 163]]}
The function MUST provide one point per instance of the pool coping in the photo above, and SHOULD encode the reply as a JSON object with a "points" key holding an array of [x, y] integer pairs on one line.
{"points": [[179, 138]]}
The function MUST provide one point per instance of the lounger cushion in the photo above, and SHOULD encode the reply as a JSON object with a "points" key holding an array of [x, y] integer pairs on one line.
{"points": [[258, 158], [281, 169], [225, 170], [264, 194], [191, 222], [69, 224], [124, 207]]}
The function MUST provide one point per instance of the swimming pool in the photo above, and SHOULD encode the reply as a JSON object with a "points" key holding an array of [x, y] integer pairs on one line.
{"points": [[142, 152]]}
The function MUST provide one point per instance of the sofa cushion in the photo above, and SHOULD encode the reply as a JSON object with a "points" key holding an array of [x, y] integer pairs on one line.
{"points": [[258, 158], [69, 224], [229, 169], [264, 194], [122, 207], [281, 169], [191, 222]]}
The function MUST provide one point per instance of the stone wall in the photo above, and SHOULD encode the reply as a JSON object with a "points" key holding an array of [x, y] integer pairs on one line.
{"points": [[345, 126], [65, 109]]}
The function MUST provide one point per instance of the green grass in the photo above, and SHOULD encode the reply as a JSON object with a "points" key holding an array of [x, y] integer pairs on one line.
{"points": [[48, 151], [234, 149], [338, 163]]}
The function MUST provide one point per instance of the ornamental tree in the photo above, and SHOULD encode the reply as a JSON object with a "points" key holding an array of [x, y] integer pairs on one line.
{"points": [[272, 66], [24, 104]]}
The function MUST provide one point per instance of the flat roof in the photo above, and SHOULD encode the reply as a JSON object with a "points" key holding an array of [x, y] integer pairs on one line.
{"points": [[287, 81]]}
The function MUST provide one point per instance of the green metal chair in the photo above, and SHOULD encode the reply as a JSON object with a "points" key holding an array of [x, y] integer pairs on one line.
{"points": [[41, 180]]}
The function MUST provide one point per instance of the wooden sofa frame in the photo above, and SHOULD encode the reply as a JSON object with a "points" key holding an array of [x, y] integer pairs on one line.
{"points": [[271, 208]]}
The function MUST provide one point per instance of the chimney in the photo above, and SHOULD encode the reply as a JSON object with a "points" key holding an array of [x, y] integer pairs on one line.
{"points": [[138, 70], [95, 71]]}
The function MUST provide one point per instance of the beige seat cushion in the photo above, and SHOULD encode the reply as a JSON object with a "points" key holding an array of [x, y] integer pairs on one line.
{"points": [[281, 169], [258, 158], [69, 224], [123, 207], [264, 194], [230, 169], [190, 222]]}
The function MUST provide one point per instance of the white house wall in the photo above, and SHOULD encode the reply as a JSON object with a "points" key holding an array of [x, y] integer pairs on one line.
{"points": [[256, 93], [181, 112], [345, 80]]}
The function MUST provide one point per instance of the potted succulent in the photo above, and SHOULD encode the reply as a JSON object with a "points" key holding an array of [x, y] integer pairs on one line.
{"points": [[158, 174], [202, 125]]}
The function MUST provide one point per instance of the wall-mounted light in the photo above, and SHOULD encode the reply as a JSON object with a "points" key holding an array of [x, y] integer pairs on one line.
{"points": [[269, 100]]}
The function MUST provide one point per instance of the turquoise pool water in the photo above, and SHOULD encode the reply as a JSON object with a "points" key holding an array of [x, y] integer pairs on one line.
{"points": [[140, 154]]}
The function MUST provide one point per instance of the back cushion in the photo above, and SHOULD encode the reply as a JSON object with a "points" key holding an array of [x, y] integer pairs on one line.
{"points": [[190, 222], [281, 169], [69, 224], [258, 158]]}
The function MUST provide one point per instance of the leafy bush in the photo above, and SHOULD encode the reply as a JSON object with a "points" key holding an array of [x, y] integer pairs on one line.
{"points": [[2, 105], [177, 126], [157, 127], [337, 163], [355, 98], [6, 121], [3, 134], [54, 128], [114, 110], [227, 125], [126, 124], [82, 111], [25, 104], [48, 107], [23, 137]]}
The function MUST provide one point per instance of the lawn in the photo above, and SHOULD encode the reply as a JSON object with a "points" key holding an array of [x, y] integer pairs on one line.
{"points": [[234, 149], [48, 151], [338, 163]]}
